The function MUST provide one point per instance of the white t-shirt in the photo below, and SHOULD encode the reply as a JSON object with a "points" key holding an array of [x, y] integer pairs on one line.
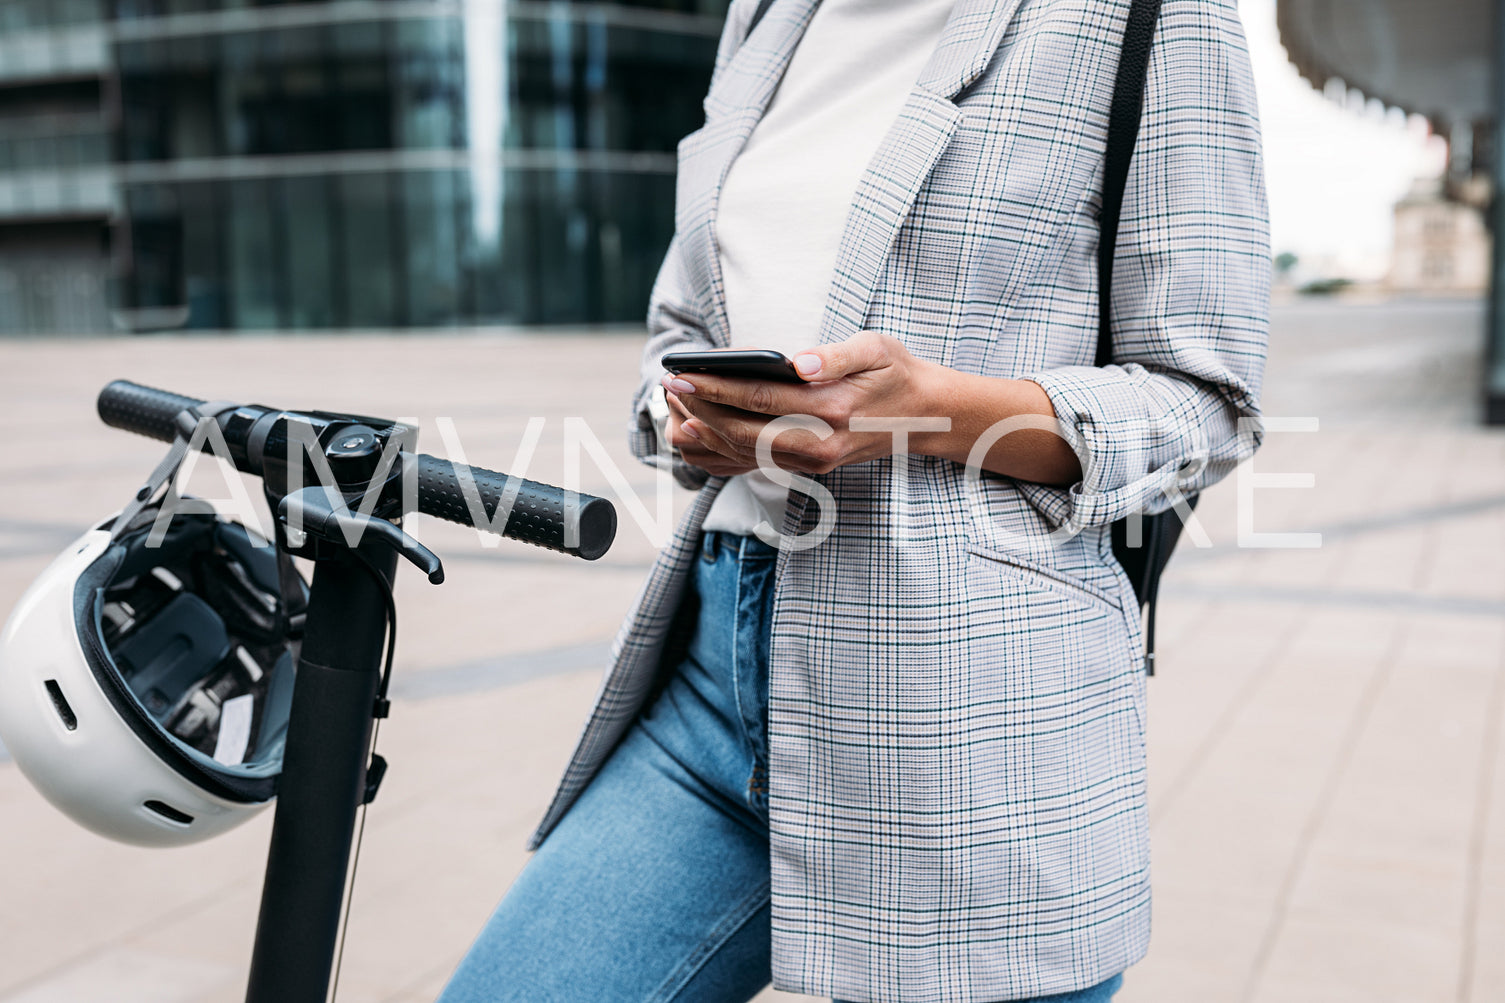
{"points": [[786, 196]]}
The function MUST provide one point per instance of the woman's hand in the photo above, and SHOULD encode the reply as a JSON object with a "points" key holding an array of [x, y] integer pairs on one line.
{"points": [[716, 420], [695, 452], [870, 374]]}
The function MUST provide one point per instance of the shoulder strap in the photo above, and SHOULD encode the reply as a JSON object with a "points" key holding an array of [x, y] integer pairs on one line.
{"points": [[1123, 132], [763, 6]]}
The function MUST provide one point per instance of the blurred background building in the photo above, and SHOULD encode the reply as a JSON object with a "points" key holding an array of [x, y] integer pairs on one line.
{"points": [[1441, 245], [249, 164], [1439, 59]]}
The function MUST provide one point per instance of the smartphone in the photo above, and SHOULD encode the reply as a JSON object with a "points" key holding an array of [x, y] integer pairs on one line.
{"points": [[748, 364]]}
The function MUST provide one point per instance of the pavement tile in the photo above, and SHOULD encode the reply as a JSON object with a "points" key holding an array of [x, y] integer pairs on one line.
{"points": [[1176, 979], [124, 975], [1208, 943], [1373, 961], [1483, 980]]}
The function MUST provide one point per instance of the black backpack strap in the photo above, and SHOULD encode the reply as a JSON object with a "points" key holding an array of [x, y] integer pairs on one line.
{"points": [[1123, 132], [1145, 563]]}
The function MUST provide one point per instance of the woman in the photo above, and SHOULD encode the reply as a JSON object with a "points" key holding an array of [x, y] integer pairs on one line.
{"points": [[900, 756]]}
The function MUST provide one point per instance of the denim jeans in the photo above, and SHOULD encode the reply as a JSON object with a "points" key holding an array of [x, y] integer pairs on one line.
{"points": [[655, 886]]}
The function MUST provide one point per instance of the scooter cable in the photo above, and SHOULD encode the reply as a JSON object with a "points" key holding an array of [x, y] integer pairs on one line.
{"points": [[379, 711]]}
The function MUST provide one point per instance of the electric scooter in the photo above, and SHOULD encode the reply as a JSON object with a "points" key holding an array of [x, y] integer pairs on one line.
{"points": [[352, 536]]}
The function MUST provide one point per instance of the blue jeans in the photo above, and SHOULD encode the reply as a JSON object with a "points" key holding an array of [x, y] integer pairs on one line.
{"points": [[655, 885]]}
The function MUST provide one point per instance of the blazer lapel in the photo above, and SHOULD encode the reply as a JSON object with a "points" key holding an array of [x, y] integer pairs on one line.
{"points": [[882, 202], [734, 105], [887, 190], [906, 157], [972, 35]]}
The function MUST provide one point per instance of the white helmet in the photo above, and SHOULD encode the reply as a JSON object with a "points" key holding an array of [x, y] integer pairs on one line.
{"points": [[145, 689]]}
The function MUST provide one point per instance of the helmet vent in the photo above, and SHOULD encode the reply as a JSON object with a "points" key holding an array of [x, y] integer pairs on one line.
{"points": [[168, 812], [60, 704]]}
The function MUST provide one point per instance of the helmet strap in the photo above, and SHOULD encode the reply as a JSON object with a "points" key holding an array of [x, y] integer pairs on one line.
{"points": [[167, 469]]}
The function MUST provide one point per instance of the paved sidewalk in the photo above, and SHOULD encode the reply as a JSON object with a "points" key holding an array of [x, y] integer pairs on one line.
{"points": [[1327, 783]]}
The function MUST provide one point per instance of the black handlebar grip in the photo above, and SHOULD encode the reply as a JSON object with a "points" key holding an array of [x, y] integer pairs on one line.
{"points": [[143, 410], [538, 514]]}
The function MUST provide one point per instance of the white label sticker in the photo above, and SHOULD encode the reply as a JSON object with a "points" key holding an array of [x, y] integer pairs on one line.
{"points": [[234, 730]]}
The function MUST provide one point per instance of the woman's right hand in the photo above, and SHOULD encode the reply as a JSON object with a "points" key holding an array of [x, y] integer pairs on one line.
{"points": [[692, 451]]}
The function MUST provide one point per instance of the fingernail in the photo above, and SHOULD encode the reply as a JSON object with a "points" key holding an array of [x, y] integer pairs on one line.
{"points": [[689, 429], [680, 386], [808, 365]]}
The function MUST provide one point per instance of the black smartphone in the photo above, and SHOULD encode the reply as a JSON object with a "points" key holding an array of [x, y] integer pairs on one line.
{"points": [[748, 364]]}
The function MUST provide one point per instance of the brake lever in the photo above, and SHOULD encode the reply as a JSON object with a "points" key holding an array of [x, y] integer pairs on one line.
{"points": [[320, 518]]}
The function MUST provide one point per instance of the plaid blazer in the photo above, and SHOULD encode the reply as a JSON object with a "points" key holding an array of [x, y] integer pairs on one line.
{"points": [[956, 716]]}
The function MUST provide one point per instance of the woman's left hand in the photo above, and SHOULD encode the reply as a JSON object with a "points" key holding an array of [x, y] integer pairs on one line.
{"points": [[868, 375]]}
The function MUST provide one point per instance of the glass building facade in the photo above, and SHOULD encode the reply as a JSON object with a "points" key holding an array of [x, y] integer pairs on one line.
{"points": [[353, 163]]}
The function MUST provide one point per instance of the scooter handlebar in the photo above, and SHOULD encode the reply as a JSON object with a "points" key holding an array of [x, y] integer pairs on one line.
{"points": [[541, 513], [144, 410]]}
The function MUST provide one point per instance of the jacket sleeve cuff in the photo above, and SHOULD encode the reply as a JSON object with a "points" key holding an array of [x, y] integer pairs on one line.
{"points": [[1138, 446], [649, 446]]}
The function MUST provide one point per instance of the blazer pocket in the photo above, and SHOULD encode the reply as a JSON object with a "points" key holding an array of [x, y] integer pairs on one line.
{"points": [[1050, 578]]}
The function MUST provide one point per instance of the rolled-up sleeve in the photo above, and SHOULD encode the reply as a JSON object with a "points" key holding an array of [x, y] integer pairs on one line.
{"points": [[1179, 408]]}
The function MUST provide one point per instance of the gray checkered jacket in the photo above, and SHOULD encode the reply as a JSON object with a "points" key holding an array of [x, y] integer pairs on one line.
{"points": [[956, 717]]}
